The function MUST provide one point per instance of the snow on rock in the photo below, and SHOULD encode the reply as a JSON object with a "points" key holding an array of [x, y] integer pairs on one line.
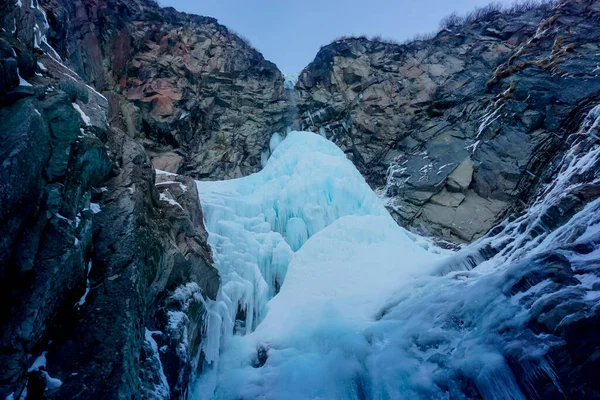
{"points": [[22, 82], [167, 197], [86, 120], [181, 185], [81, 301], [161, 172], [40, 365], [95, 207], [188, 294], [161, 388]]}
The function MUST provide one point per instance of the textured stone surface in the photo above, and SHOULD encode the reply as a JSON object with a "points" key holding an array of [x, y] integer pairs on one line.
{"points": [[176, 82], [91, 255], [478, 109]]}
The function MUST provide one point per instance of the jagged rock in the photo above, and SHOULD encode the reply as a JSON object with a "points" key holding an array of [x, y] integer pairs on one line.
{"points": [[465, 123], [79, 204], [46, 229], [488, 99], [64, 125], [447, 198], [24, 150], [9, 77], [177, 82], [145, 248], [468, 220], [169, 162]]}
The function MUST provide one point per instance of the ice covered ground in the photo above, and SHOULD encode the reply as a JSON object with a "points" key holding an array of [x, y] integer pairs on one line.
{"points": [[362, 309]]}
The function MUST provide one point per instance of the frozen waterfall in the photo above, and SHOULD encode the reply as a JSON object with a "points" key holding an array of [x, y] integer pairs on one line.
{"points": [[324, 297], [309, 228]]}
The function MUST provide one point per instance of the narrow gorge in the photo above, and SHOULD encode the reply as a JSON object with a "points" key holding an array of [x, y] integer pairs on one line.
{"points": [[403, 221]]}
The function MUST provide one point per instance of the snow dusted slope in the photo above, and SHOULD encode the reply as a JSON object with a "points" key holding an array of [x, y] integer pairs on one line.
{"points": [[367, 310]]}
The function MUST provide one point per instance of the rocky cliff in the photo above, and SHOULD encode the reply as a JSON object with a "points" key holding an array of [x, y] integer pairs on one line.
{"points": [[458, 129], [105, 266], [198, 98], [109, 108]]}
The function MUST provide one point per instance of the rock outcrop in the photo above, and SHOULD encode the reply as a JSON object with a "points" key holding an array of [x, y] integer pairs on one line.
{"points": [[200, 99], [104, 267], [549, 261], [458, 128]]}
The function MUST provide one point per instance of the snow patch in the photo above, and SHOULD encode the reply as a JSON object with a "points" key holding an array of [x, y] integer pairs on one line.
{"points": [[81, 301], [95, 207], [86, 120], [181, 185], [23, 82], [40, 365], [161, 388], [161, 172], [168, 198]]}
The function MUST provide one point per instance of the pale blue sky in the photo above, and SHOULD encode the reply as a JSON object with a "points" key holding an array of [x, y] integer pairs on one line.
{"points": [[289, 33]]}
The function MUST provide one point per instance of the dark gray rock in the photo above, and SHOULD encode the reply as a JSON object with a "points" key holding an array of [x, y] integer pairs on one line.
{"points": [[44, 251], [498, 92], [143, 252], [24, 151], [9, 78]]}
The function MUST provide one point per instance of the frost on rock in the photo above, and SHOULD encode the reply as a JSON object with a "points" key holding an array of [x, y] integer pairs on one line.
{"points": [[167, 197], [40, 365], [181, 185], [86, 120], [160, 389], [187, 294]]}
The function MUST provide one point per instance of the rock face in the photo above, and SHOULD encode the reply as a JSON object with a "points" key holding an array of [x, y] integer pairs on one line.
{"points": [[104, 268], [201, 100], [104, 264], [458, 128], [551, 251]]}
